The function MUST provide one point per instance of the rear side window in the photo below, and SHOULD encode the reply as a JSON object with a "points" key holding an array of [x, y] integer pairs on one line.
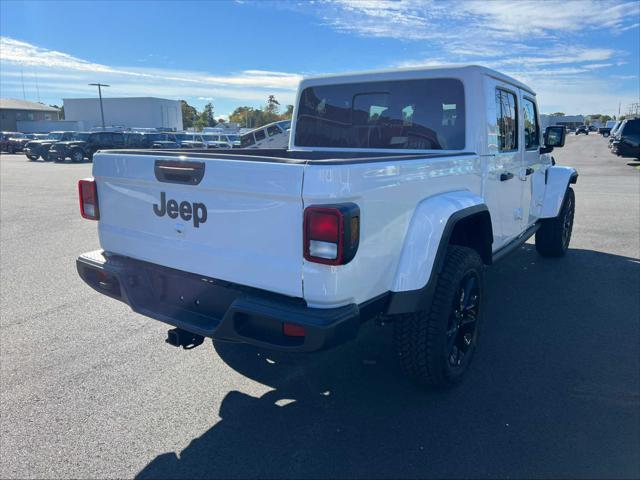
{"points": [[260, 135], [632, 127], [531, 128], [273, 130], [507, 121], [247, 140], [427, 114]]}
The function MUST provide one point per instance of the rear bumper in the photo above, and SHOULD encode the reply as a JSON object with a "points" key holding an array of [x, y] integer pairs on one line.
{"points": [[219, 309]]}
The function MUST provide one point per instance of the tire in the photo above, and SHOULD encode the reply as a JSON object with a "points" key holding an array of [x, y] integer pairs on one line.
{"points": [[32, 158], [10, 149], [45, 156], [435, 346], [554, 234], [77, 156]]}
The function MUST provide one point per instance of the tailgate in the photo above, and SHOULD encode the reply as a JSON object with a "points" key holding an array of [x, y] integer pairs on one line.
{"points": [[234, 220]]}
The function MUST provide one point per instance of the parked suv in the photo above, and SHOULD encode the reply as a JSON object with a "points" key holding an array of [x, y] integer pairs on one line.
{"points": [[627, 141], [4, 140], [40, 148], [103, 141], [151, 140], [73, 148], [17, 142], [582, 129]]}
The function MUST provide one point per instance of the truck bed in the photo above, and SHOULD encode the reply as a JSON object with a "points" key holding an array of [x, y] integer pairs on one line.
{"points": [[289, 156]]}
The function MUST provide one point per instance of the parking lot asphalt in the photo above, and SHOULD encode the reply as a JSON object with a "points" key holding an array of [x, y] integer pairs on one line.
{"points": [[90, 390]]}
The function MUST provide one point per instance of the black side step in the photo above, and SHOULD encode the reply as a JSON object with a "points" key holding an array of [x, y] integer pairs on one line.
{"points": [[515, 243]]}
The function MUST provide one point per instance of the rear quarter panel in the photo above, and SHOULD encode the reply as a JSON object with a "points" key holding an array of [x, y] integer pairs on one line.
{"points": [[387, 194]]}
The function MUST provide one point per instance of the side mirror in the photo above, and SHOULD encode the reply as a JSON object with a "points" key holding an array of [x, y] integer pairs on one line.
{"points": [[554, 136]]}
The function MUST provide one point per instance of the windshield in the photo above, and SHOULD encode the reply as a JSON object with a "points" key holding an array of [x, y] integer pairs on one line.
{"points": [[233, 138], [402, 114], [55, 136], [81, 136], [210, 138]]}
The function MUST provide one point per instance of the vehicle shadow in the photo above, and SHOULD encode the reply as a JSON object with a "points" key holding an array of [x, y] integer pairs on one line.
{"points": [[553, 392]]}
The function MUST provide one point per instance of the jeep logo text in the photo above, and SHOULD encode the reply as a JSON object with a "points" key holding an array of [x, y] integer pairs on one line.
{"points": [[186, 210]]}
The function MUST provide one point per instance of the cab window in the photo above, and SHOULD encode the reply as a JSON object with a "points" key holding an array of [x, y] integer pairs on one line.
{"points": [[531, 127], [507, 120], [260, 135]]}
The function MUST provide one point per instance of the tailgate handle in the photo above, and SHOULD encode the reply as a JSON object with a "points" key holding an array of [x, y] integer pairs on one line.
{"points": [[171, 171]]}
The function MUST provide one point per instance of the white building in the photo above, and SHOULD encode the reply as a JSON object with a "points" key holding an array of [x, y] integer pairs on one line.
{"points": [[128, 112]]}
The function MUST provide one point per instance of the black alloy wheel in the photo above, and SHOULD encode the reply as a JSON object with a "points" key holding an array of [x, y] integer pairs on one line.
{"points": [[461, 328]]}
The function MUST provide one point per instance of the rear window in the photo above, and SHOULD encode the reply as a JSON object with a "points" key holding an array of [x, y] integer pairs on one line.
{"points": [[401, 114]]}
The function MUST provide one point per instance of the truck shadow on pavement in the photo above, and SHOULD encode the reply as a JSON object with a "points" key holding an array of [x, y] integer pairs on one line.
{"points": [[553, 391]]}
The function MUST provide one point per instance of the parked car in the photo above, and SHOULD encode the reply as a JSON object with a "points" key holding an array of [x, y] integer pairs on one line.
{"points": [[614, 132], [4, 139], [593, 128], [35, 149], [17, 142], [604, 131], [627, 142], [191, 140], [582, 129], [397, 189], [73, 148], [273, 135], [151, 140]]}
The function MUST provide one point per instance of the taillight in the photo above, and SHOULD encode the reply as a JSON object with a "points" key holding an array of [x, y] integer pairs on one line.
{"points": [[88, 194], [331, 233]]}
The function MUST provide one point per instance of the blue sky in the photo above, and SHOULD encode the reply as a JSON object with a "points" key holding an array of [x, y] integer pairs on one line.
{"points": [[579, 56]]}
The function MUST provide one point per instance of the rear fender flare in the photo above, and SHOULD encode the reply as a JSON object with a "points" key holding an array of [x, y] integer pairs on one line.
{"points": [[431, 225], [557, 180]]}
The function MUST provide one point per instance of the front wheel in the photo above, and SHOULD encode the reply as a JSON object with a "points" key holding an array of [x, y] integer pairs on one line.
{"points": [[77, 156], [32, 158], [554, 234], [45, 156], [436, 345]]}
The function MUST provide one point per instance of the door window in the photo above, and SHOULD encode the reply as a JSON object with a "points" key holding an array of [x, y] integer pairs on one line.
{"points": [[507, 121], [260, 135], [531, 127]]}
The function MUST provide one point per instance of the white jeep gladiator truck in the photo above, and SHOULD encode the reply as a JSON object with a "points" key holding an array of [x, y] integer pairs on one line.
{"points": [[396, 191]]}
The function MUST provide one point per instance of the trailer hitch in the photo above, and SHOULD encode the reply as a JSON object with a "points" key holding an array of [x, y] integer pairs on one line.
{"points": [[181, 338]]}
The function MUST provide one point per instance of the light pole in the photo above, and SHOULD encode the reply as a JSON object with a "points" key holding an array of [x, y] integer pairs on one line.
{"points": [[100, 85]]}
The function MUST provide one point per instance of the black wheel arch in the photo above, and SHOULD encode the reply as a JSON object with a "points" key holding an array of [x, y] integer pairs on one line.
{"points": [[461, 229]]}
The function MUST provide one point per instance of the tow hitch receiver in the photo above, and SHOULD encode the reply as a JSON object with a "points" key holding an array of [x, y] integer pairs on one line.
{"points": [[181, 338]]}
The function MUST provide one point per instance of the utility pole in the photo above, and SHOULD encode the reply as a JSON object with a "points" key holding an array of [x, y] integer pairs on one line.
{"points": [[100, 85]]}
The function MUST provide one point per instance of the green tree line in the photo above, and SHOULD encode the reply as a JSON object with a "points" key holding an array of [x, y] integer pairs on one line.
{"points": [[248, 117]]}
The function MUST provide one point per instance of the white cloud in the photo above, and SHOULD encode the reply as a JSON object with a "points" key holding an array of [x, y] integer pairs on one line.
{"points": [[68, 75], [475, 20]]}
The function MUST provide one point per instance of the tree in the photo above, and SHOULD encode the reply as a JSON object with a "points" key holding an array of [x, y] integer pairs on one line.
{"points": [[248, 117], [271, 110], [288, 113], [604, 119], [558, 114], [221, 120], [189, 115], [207, 117]]}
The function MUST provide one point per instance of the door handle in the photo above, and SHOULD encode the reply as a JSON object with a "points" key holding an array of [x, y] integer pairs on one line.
{"points": [[529, 171], [506, 176]]}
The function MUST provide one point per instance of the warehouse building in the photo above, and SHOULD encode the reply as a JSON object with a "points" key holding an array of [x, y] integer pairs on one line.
{"points": [[13, 111], [127, 112]]}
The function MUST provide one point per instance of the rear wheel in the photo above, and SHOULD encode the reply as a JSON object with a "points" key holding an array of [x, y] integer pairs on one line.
{"points": [[436, 345], [10, 148], [33, 158], [554, 234]]}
